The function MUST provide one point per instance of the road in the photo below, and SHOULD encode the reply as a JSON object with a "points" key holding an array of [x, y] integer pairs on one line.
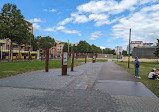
{"points": [[92, 87]]}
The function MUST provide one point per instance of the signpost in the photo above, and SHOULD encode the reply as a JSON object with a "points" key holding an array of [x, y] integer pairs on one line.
{"points": [[64, 62], [72, 60], [94, 59]]}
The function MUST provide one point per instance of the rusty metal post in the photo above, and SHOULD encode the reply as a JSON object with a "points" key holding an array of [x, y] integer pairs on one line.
{"points": [[72, 60], [64, 61], [47, 60], [94, 59], [86, 58]]}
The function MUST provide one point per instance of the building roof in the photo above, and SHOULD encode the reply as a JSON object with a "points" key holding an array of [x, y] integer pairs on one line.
{"points": [[147, 47], [147, 43], [136, 42]]}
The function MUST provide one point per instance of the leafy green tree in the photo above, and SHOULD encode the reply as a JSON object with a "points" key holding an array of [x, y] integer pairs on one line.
{"points": [[108, 51], [83, 47], [124, 53], [35, 43], [13, 25], [157, 49], [46, 42], [66, 47], [74, 48], [95, 49]]}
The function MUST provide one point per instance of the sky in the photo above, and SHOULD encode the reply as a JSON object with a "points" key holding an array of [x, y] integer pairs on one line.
{"points": [[105, 23]]}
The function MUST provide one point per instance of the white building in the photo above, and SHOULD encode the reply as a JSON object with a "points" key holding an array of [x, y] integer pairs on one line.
{"points": [[118, 50]]}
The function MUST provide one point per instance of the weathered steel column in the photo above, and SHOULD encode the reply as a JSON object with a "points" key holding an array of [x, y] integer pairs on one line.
{"points": [[94, 58], [86, 58], [72, 60], [47, 60], [64, 61]]}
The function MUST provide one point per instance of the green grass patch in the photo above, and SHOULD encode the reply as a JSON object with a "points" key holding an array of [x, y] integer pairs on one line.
{"points": [[144, 70], [114, 56], [101, 60], [13, 68]]}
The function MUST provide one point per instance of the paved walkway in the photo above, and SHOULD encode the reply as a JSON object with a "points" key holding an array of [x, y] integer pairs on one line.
{"points": [[114, 80], [98, 87]]}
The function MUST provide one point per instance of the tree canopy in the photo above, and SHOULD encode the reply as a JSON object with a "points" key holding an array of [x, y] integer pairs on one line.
{"points": [[45, 42], [83, 47], [66, 47], [13, 25]]}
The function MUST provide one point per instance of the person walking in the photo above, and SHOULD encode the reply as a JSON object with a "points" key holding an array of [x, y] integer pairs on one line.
{"points": [[137, 65]]}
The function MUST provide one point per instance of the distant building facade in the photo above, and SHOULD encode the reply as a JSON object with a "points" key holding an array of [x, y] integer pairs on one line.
{"points": [[118, 50], [144, 52], [134, 44]]}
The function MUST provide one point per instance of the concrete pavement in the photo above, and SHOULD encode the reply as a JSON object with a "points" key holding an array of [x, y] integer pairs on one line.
{"points": [[116, 81], [98, 87]]}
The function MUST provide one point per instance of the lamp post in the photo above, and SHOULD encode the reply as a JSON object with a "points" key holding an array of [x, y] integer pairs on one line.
{"points": [[129, 47]]}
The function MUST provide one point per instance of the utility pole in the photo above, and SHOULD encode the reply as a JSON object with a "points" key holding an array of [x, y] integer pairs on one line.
{"points": [[129, 47]]}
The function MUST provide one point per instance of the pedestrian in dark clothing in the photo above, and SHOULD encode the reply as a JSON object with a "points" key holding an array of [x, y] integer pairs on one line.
{"points": [[136, 66]]}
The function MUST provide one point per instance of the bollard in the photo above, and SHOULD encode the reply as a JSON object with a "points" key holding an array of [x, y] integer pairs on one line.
{"points": [[72, 60], [86, 58], [47, 61]]}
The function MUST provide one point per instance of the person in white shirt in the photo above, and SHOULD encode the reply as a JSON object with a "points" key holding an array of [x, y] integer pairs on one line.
{"points": [[153, 74]]}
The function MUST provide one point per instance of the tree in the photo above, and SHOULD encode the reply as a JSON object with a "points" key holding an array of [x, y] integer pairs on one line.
{"points": [[13, 25], [66, 47], [83, 47], [157, 49], [108, 51], [46, 43], [74, 48], [95, 49], [124, 53]]}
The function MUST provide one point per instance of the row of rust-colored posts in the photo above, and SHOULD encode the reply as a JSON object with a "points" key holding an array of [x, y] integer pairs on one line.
{"points": [[64, 61]]}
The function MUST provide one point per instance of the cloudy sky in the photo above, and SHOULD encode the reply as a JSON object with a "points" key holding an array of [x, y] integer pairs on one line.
{"points": [[105, 23]]}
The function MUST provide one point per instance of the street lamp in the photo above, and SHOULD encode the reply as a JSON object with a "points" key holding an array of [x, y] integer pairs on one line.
{"points": [[129, 47]]}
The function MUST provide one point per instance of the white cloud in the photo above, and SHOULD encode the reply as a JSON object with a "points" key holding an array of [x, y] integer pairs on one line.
{"points": [[36, 26], [101, 10], [57, 28], [109, 6], [144, 25], [49, 10], [79, 18], [35, 20], [95, 35], [65, 21], [72, 32], [50, 29], [60, 28], [102, 47], [63, 29]]}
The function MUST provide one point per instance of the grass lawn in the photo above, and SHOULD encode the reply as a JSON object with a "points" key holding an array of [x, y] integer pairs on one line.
{"points": [[114, 56], [13, 68], [145, 68], [101, 60]]}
